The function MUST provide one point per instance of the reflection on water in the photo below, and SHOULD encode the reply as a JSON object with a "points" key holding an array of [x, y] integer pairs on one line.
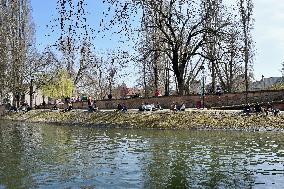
{"points": [[47, 156]]}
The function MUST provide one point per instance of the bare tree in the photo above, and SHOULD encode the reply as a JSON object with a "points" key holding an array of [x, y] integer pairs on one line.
{"points": [[76, 36], [16, 37], [213, 7], [246, 12], [180, 26]]}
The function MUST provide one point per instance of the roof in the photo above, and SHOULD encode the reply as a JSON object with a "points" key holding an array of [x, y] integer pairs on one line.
{"points": [[265, 83]]}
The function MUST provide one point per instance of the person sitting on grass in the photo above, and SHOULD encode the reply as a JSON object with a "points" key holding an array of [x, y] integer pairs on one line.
{"points": [[94, 106], [272, 109], [55, 106], [124, 108], [13, 108], [153, 107], [275, 111], [24, 107], [142, 107], [247, 109], [158, 106], [148, 107], [90, 104], [28, 108], [173, 107], [182, 107], [119, 107], [70, 106], [257, 108], [268, 109]]}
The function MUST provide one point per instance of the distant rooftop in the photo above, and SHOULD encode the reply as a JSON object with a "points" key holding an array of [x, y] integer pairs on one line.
{"points": [[265, 83]]}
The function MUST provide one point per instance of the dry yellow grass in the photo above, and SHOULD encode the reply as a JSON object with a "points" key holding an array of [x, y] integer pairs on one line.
{"points": [[163, 120]]}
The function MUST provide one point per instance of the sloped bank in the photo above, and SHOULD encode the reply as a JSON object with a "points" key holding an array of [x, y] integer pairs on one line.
{"points": [[210, 120]]}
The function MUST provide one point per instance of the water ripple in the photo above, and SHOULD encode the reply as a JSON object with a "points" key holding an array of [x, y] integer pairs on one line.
{"points": [[48, 156]]}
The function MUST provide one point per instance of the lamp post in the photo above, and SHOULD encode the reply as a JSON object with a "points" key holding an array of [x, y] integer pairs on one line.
{"points": [[263, 82], [31, 92], [112, 73], [17, 97], [202, 68]]}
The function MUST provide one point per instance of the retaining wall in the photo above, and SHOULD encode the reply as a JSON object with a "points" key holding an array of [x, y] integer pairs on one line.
{"points": [[191, 101]]}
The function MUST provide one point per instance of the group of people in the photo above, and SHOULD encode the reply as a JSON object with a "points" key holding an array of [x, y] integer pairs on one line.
{"points": [[149, 107], [25, 107], [121, 107], [257, 108], [177, 107], [92, 107], [68, 104], [154, 107], [55, 106]]}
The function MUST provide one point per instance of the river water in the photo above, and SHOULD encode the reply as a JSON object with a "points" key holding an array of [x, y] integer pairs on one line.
{"points": [[50, 156]]}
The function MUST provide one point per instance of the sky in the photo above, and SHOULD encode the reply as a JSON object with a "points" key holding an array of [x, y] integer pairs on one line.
{"points": [[268, 32], [269, 37]]}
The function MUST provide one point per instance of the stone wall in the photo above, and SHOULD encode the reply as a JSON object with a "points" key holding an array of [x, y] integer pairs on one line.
{"points": [[192, 101]]}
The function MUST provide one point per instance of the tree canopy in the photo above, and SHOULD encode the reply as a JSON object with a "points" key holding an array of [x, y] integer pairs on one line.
{"points": [[60, 87], [173, 40]]}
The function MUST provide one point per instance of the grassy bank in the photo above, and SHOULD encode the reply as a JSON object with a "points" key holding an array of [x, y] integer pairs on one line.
{"points": [[162, 120]]}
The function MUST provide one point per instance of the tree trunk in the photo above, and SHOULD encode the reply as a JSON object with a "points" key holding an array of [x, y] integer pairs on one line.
{"points": [[213, 77], [167, 80], [156, 71], [180, 83], [144, 80], [231, 74], [179, 72], [246, 73]]}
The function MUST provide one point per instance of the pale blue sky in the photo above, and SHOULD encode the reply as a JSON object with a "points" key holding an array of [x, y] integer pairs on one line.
{"points": [[268, 31], [269, 37]]}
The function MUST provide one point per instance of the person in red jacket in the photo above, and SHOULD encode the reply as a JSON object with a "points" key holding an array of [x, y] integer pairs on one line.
{"points": [[157, 93]]}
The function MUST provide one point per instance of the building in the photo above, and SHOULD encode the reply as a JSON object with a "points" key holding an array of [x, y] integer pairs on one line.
{"points": [[126, 92], [265, 83], [37, 97]]}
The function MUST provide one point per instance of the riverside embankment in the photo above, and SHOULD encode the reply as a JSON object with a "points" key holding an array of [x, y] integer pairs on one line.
{"points": [[193, 119]]}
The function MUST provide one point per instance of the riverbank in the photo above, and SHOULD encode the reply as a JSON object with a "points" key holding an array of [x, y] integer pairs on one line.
{"points": [[195, 119]]}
